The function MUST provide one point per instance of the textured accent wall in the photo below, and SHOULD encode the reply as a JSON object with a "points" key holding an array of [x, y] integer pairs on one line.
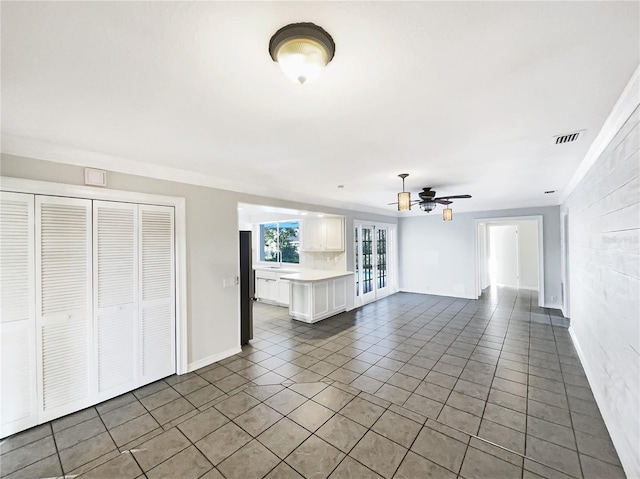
{"points": [[604, 265]]}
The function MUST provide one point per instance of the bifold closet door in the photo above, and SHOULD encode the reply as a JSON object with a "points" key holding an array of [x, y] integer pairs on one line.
{"points": [[115, 293], [18, 393], [157, 292], [63, 304]]}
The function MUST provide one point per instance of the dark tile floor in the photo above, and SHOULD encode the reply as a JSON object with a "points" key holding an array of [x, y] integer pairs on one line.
{"points": [[412, 386]]}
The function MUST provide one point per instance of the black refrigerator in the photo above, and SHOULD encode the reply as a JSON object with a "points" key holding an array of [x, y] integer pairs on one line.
{"points": [[247, 288]]}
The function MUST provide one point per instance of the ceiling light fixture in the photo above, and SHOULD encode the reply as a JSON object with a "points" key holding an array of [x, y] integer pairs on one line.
{"points": [[447, 214], [302, 50], [404, 197], [427, 206]]}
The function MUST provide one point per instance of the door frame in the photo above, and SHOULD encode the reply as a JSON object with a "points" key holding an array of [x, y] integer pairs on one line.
{"points": [[392, 254], [566, 264], [35, 187], [510, 219]]}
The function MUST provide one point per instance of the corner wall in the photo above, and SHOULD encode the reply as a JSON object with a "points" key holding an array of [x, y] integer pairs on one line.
{"points": [[438, 257], [604, 265]]}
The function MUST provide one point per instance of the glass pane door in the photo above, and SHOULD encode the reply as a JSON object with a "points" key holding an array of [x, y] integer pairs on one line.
{"points": [[381, 250], [371, 262]]}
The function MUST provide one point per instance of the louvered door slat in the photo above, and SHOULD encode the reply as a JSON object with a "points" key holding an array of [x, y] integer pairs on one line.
{"points": [[18, 376], [63, 304], [157, 304], [115, 293]]}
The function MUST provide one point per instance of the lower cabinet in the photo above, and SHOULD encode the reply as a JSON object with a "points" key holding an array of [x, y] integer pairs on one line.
{"points": [[312, 301], [87, 300], [271, 289]]}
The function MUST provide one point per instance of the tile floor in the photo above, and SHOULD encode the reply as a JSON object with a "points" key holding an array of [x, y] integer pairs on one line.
{"points": [[412, 386]]}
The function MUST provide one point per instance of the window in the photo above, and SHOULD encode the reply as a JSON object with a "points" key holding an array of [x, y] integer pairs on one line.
{"points": [[279, 242]]}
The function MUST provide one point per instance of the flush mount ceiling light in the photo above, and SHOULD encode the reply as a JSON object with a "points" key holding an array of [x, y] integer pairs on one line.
{"points": [[302, 50]]}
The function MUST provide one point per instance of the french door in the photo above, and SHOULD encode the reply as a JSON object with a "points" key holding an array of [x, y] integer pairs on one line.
{"points": [[372, 262]]}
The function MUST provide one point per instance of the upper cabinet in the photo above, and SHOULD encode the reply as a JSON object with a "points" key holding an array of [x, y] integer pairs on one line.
{"points": [[322, 234]]}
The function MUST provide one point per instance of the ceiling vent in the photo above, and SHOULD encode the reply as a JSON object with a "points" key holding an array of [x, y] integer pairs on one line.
{"points": [[568, 138]]}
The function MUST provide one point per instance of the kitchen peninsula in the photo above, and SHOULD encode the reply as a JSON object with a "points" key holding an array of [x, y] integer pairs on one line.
{"points": [[316, 294]]}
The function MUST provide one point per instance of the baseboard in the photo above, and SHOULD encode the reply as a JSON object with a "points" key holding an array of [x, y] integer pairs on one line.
{"points": [[553, 306], [434, 293], [529, 288], [200, 363]]}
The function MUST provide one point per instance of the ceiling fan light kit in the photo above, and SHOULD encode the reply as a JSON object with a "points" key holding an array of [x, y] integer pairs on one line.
{"points": [[427, 201], [427, 206], [302, 50]]}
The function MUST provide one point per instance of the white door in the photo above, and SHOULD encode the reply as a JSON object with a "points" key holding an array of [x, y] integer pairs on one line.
{"points": [[115, 286], [18, 393], [63, 304], [157, 293], [504, 255], [372, 263]]}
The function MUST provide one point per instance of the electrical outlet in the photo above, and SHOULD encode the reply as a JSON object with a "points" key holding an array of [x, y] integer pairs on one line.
{"points": [[553, 298], [225, 283]]}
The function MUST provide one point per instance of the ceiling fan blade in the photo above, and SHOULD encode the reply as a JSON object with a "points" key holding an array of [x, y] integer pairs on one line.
{"points": [[452, 197], [393, 203], [442, 201]]}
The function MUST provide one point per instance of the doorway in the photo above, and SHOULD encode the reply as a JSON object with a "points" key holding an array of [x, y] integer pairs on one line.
{"points": [[504, 268], [374, 261], [509, 252]]}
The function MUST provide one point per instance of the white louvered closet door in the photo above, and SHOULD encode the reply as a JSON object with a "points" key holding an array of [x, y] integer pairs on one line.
{"points": [[157, 293], [18, 392], [115, 293], [63, 304]]}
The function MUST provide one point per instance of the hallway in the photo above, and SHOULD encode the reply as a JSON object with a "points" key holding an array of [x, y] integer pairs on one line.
{"points": [[407, 387]]}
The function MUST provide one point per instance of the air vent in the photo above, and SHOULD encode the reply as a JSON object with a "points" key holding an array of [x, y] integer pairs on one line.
{"points": [[568, 138]]}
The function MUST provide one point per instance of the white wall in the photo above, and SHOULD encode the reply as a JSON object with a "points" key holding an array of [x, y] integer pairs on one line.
{"points": [[438, 257], [212, 245], [503, 256], [528, 254], [604, 264]]}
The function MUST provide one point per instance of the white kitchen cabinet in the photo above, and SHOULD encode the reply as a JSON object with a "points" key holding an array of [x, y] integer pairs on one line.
{"points": [[322, 234], [334, 234], [271, 289], [283, 292], [316, 295]]}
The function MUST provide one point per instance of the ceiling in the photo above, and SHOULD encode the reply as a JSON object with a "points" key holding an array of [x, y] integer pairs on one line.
{"points": [[464, 96]]}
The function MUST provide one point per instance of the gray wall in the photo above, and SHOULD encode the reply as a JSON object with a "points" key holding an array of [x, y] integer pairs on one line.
{"points": [[604, 279], [212, 244], [438, 257]]}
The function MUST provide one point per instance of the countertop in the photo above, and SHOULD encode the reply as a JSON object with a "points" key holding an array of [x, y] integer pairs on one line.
{"points": [[284, 269], [315, 275]]}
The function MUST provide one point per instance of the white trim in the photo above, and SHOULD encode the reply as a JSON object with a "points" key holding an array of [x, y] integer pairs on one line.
{"points": [[624, 107], [43, 150], [20, 185], [510, 219], [201, 363]]}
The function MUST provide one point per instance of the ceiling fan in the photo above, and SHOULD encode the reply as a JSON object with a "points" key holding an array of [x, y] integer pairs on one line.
{"points": [[428, 200]]}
